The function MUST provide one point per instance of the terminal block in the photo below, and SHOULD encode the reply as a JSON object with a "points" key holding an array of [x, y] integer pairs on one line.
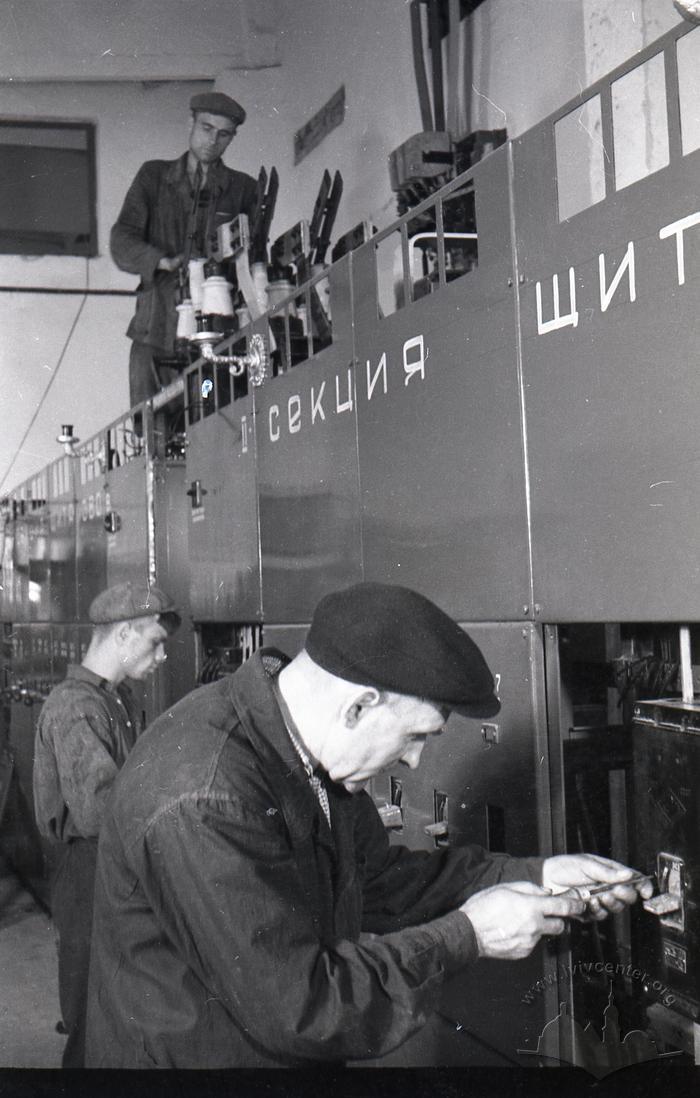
{"points": [[421, 165]]}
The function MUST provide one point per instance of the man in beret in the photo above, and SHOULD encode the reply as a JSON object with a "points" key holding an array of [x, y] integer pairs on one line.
{"points": [[249, 910], [86, 728], [171, 212]]}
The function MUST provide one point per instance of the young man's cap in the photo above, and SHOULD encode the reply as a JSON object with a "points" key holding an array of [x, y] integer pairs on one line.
{"points": [[218, 103], [127, 601], [395, 639]]}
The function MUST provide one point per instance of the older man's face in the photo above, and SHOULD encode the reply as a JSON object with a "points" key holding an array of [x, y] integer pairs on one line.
{"points": [[210, 136], [396, 729]]}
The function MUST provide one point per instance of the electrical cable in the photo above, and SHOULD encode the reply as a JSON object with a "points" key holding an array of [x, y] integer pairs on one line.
{"points": [[476, 1038], [54, 374], [435, 48], [426, 111], [65, 291]]}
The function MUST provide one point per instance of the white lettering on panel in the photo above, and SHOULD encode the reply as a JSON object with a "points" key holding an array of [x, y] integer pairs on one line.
{"points": [[316, 405], [627, 264], [417, 365], [677, 228], [294, 414], [372, 381], [347, 405], [559, 320], [274, 431]]}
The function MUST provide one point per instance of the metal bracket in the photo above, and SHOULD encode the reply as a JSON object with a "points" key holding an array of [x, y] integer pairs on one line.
{"points": [[256, 361]]}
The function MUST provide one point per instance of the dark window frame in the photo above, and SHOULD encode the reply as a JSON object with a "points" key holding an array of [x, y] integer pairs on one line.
{"points": [[58, 241]]}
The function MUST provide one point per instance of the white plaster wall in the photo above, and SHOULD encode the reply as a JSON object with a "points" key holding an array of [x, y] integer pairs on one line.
{"points": [[615, 29], [530, 57], [85, 362], [323, 43], [363, 44], [134, 122], [613, 32]]}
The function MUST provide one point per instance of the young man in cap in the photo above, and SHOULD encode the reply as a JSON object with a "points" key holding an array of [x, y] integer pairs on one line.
{"points": [[87, 727], [174, 207], [249, 910]]}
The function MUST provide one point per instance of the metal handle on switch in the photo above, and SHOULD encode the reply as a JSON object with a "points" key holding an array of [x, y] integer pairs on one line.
{"points": [[390, 815], [669, 905], [490, 733], [112, 522], [195, 492], [663, 904]]}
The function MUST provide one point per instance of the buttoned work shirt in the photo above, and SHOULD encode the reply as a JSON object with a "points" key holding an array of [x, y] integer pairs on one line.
{"points": [[85, 731], [154, 222], [273, 667]]}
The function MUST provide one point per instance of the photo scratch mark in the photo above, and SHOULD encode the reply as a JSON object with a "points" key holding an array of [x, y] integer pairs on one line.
{"points": [[595, 139], [494, 105]]}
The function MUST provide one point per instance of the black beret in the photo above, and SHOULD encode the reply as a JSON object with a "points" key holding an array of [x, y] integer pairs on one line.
{"points": [[392, 638], [218, 103], [126, 601]]}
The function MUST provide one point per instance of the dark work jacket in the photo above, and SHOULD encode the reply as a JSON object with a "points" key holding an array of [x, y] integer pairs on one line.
{"points": [[233, 928], [153, 223], [85, 730]]}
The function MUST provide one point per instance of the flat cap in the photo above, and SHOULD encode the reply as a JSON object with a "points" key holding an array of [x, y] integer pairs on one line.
{"points": [[218, 103], [126, 601], [394, 639]]}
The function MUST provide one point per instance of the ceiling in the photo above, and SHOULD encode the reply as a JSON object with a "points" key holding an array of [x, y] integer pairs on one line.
{"points": [[132, 40]]}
